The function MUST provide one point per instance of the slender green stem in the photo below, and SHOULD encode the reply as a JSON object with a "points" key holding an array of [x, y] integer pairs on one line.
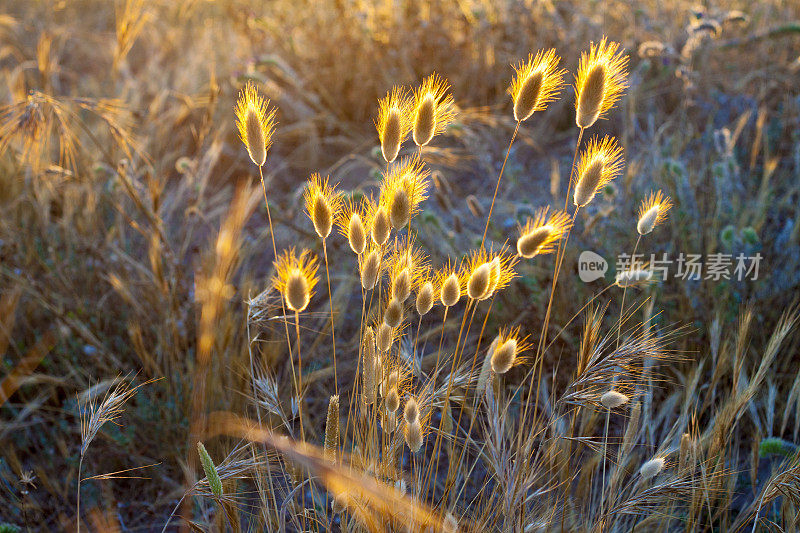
{"points": [[330, 301]]}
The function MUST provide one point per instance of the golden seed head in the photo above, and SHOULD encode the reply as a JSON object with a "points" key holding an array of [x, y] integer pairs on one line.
{"points": [[600, 163], [403, 189], [323, 204], [255, 122], [401, 285], [370, 269], [651, 468], [356, 235], [393, 314], [296, 278], [425, 298], [380, 226], [537, 82], [504, 356], [478, 282], [451, 290], [652, 212], [384, 337], [413, 436], [601, 79], [392, 400], [539, 236], [434, 109], [393, 122], [613, 399], [425, 121], [332, 429], [411, 411]]}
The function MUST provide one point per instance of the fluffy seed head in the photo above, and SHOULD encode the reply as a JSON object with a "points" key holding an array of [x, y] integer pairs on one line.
{"points": [[392, 400], [413, 436], [356, 235], [507, 347], [380, 226], [393, 121], [600, 163], [296, 277], [652, 212], [323, 204], [411, 411], [602, 77], [393, 314], [403, 189], [613, 399], [540, 235], [384, 337], [255, 122], [332, 429], [537, 82], [651, 468], [450, 290], [370, 265], [478, 282], [401, 285], [434, 109], [425, 298]]}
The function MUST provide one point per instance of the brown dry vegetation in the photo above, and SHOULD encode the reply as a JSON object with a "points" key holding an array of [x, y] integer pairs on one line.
{"points": [[121, 173]]}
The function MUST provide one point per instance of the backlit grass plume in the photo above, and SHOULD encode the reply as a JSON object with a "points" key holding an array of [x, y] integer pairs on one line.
{"points": [[537, 82], [601, 80], [539, 235], [351, 225], [255, 122], [449, 285], [404, 188], [296, 278], [507, 346], [433, 109], [394, 121], [485, 273], [323, 204], [600, 163], [652, 212]]}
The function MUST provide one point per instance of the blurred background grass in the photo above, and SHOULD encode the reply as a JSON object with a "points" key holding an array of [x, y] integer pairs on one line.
{"points": [[119, 158]]}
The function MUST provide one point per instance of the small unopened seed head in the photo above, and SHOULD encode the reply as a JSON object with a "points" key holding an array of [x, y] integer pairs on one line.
{"points": [[451, 291], [450, 524], [393, 314], [384, 337], [411, 411], [401, 285], [425, 298], [380, 226], [370, 373], [297, 294], [528, 245], [651, 468], [590, 101], [392, 133], [392, 400], [400, 210], [425, 121], [613, 399], [588, 183], [210, 470], [370, 267], [648, 220], [332, 429], [525, 103], [413, 435], [478, 283], [356, 234], [504, 356], [322, 217]]}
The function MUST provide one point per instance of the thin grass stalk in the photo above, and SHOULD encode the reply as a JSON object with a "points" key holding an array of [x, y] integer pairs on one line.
{"points": [[330, 302], [497, 186], [624, 290], [603, 478]]}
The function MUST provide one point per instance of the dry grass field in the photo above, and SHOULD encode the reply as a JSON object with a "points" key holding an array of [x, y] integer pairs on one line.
{"points": [[365, 265]]}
